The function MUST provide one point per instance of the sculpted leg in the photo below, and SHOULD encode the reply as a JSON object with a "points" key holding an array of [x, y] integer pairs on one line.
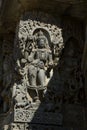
{"points": [[41, 77], [32, 75]]}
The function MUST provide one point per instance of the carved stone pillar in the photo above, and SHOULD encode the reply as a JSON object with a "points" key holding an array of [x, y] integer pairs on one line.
{"points": [[84, 61]]}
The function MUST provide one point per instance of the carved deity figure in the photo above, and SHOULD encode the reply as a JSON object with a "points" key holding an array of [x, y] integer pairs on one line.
{"points": [[20, 97], [40, 60]]}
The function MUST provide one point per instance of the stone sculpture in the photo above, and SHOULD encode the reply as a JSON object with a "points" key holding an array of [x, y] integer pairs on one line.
{"points": [[45, 73], [37, 52]]}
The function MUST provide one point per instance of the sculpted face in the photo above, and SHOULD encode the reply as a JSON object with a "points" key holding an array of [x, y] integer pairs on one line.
{"points": [[41, 43]]}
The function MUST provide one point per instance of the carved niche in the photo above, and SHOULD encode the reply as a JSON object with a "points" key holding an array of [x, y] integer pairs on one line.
{"points": [[47, 70], [37, 50]]}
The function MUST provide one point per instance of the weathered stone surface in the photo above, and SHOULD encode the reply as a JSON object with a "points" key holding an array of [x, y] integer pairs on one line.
{"points": [[74, 116], [22, 79]]}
